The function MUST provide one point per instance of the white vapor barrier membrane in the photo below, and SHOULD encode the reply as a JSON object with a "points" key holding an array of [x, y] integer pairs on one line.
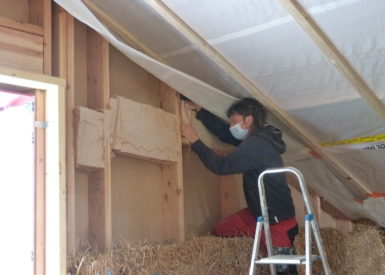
{"points": [[372, 155], [339, 121], [264, 43], [205, 95], [375, 207], [357, 31]]}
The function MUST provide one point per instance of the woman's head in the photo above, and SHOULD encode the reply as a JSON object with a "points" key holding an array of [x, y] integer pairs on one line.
{"points": [[249, 113]]}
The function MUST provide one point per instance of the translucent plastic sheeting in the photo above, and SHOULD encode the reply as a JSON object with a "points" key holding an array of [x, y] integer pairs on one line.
{"points": [[340, 120], [205, 95], [366, 161], [375, 207]]}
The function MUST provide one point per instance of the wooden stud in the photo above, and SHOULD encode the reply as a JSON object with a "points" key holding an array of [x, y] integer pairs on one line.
{"points": [[47, 28], [232, 71], [172, 174], [65, 68], [36, 12], [99, 182], [336, 58], [39, 185], [40, 14]]}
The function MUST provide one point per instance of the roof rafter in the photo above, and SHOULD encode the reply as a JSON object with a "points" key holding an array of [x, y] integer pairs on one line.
{"points": [[312, 29], [173, 19]]}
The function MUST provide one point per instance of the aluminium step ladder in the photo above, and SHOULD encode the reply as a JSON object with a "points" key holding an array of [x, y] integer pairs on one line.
{"points": [[263, 221]]}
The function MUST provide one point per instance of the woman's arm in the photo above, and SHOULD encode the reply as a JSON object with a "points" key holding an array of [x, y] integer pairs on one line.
{"points": [[245, 158], [217, 126]]}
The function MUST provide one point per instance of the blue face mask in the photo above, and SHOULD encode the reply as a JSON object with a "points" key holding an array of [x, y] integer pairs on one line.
{"points": [[238, 132]]}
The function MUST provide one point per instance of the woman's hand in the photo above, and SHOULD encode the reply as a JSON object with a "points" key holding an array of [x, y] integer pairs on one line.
{"points": [[191, 106], [189, 133]]}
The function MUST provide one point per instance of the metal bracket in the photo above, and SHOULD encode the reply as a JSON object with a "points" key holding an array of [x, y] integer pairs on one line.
{"points": [[41, 124]]}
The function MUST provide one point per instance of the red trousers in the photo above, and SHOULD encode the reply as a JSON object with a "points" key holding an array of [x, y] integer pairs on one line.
{"points": [[242, 223]]}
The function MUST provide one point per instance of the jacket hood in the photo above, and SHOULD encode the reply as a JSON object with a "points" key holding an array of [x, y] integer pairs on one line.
{"points": [[274, 135]]}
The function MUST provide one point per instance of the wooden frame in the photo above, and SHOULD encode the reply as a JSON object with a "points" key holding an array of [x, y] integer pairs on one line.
{"points": [[54, 176], [99, 182], [64, 53], [39, 184], [167, 14]]}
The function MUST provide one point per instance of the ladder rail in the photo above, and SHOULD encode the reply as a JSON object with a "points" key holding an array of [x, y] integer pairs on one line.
{"points": [[258, 231], [309, 208], [266, 221], [308, 244]]}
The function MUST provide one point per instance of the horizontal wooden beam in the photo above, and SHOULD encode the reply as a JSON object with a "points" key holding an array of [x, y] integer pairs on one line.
{"points": [[21, 26], [232, 71], [336, 58]]}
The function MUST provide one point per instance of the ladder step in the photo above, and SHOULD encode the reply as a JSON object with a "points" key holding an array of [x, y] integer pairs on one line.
{"points": [[286, 259]]}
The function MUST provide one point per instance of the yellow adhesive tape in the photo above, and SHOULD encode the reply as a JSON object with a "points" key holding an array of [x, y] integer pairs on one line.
{"points": [[375, 138]]}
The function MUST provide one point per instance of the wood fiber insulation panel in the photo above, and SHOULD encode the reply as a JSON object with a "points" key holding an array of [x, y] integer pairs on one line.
{"points": [[144, 131], [89, 138], [21, 50]]}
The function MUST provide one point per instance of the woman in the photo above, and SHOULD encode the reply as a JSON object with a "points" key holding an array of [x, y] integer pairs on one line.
{"points": [[259, 147]]}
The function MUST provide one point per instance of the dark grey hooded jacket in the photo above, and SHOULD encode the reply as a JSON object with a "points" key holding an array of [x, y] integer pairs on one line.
{"points": [[258, 152]]}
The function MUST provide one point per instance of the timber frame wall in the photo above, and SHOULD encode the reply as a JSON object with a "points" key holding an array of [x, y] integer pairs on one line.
{"points": [[123, 198]]}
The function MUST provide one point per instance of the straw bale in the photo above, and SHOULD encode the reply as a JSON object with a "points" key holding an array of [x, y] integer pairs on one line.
{"points": [[203, 255], [359, 252]]}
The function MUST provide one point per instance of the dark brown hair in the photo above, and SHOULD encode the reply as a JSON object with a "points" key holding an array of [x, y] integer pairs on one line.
{"points": [[249, 107]]}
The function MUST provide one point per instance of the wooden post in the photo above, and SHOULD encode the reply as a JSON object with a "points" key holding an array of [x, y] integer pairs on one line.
{"points": [[172, 174], [99, 182], [39, 185], [47, 28], [64, 67]]}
